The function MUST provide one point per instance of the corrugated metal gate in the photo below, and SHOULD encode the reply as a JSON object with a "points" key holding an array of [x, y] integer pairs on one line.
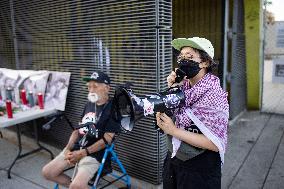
{"points": [[237, 77], [129, 39], [7, 58]]}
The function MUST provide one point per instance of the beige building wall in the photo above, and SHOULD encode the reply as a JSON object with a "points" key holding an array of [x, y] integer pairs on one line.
{"points": [[274, 40]]}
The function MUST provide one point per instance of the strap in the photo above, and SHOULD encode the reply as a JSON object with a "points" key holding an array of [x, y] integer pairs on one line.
{"points": [[104, 139], [87, 151]]}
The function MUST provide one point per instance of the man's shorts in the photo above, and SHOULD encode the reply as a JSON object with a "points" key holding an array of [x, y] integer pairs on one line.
{"points": [[87, 164]]}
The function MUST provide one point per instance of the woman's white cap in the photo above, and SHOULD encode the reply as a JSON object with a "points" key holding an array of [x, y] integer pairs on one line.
{"points": [[195, 42]]}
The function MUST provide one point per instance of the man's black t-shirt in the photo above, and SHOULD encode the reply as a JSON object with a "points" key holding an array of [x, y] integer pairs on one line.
{"points": [[104, 119]]}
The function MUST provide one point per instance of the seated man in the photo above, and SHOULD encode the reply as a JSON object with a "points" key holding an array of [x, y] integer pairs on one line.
{"points": [[99, 111]]}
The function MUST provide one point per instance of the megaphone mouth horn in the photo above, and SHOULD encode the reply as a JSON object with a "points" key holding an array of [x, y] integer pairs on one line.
{"points": [[124, 107], [131, 108]]}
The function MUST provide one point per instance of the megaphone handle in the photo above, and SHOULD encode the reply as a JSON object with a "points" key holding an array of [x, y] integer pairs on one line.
{"points": [[157, 127]]}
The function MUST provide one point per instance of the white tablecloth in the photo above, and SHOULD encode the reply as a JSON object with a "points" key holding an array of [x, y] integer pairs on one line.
{"points": [[28, 115]]}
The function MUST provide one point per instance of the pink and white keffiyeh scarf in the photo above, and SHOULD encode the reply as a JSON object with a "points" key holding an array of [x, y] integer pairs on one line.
{"points": [[207, 106]]}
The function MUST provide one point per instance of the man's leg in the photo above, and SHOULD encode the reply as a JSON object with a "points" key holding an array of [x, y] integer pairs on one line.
{"points": [[87, 167], [53, 171]]}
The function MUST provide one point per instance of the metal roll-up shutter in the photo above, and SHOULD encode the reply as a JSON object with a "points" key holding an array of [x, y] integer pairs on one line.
{"points": [[128, 39], [7, 58], [238, 67]]}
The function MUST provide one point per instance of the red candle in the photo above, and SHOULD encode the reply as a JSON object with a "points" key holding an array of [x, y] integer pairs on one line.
{"points": [[9, 108], [40, 100], [24, 97]]}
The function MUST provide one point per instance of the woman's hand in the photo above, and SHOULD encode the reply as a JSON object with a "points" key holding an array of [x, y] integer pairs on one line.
{"points": [[171, 79], [165, 123]]}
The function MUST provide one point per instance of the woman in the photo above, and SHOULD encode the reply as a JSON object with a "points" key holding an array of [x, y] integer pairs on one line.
{"points": [[197, 134]]}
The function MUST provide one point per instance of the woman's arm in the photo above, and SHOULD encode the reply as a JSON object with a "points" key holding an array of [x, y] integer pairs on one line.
{"points": [[194, 139]]}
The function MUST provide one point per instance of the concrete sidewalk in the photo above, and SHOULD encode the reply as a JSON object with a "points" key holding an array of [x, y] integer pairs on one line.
{"points": [[254, 157], [255, 152], [26, 173]]}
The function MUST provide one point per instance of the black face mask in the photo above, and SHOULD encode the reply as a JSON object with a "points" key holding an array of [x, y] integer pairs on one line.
{"points": [[189, 67]]}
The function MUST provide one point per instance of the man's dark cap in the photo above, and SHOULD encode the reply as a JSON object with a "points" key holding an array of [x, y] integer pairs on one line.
{"points": [[99, 77]]}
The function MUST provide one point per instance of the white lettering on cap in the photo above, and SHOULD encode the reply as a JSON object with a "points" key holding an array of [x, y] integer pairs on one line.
{"points": [[95, 75]]}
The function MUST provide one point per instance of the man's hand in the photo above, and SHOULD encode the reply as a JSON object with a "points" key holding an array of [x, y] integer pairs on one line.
{"points": [[75, 156], [66, 151]]}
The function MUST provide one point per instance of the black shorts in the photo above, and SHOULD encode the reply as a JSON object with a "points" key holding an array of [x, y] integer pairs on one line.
{"points": [[200, 172]]}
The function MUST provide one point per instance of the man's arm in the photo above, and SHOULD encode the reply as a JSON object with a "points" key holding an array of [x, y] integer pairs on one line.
{"points": [[100, 144], [73, 138], [75, 156]]}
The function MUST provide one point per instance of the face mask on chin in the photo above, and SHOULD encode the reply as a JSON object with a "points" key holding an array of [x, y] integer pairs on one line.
{"points": [[189, 67], [93, 97]]}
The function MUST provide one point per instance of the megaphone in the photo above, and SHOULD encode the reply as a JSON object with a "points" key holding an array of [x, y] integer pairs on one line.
{"points": [[131, 108]]}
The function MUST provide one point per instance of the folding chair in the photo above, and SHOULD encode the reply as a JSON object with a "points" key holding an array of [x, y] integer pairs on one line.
{"points": [[103, 170], [124, 177], [107, 171]]}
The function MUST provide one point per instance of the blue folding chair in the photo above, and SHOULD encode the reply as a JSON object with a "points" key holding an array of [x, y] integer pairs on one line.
{"points": [[107, 171], [103, 170], [124, 177]]}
